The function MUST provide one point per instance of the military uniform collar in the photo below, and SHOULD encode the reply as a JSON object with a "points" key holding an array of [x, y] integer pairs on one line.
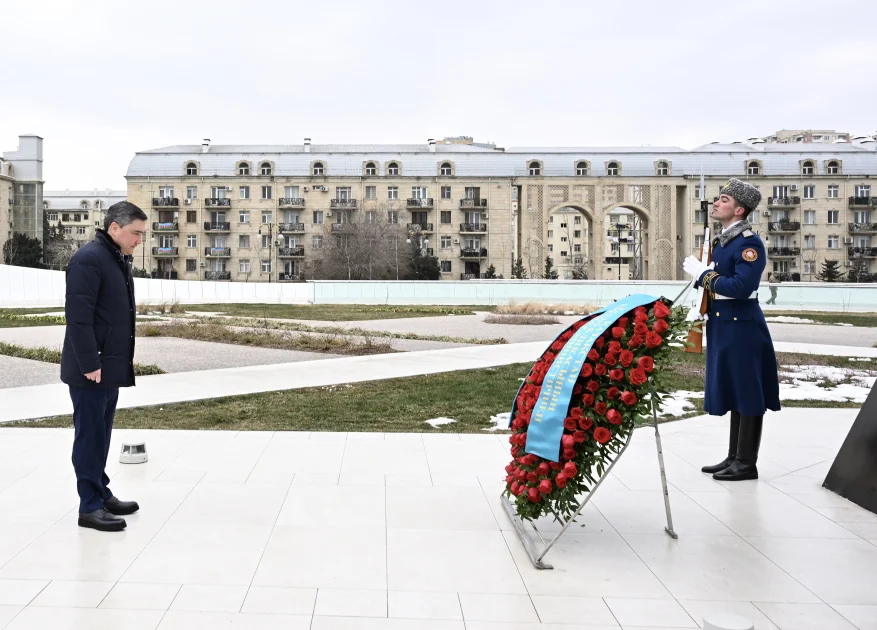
{"points": [[735, 230]]}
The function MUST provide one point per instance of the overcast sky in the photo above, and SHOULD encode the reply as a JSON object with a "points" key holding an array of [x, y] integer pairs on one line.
{"points": [[100, 80]]}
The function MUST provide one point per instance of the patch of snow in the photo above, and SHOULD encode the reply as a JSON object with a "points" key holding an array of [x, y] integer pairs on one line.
{"points": [[843, 324], [52, 314], [500, 422], [437, 422], [808, 383], [863, 359], [782, 319]]}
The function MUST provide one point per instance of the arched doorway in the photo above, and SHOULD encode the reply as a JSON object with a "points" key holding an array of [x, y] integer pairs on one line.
{"points": [[625, 236], [569, 241]]}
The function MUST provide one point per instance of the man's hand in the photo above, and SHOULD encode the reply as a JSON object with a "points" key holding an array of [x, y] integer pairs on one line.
{"points": [[694, 268], [93, 376]]}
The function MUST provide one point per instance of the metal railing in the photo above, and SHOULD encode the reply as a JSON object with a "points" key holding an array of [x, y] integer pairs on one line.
{"points": [[223, 203], [161, 226], [784, 251], [217, 275], [473, 227], [784, 226], [291, 201], [290, 227], [165, 251], [868, 252], [170, 202], [863, 201], [473, 203], [343, 204], [289, 277], [784, 201], [862, 227], [291, 252], [429, 202], [472, 252], [221, 226], [420, 227], [338, 227], [217, 252]]}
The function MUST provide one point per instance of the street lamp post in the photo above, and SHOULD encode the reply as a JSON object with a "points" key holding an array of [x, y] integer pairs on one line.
{"points": [[270, 231]]}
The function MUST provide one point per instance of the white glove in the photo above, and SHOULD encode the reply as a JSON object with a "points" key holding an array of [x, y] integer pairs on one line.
{"points": [[694, 268]]}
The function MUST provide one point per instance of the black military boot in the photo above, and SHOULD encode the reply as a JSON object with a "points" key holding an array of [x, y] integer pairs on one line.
{"points": [[732, 446], [749, 442]]}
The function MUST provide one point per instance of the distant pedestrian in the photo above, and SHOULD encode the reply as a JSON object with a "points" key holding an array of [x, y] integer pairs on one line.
{"points": [[773, 290]]}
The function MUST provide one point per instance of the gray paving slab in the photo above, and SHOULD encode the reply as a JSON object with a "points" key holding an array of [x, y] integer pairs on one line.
{"points": [[15, 372]]}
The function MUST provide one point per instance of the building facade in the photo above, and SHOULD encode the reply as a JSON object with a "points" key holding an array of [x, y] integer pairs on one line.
{"points": [[21, 175], [253, 212]]}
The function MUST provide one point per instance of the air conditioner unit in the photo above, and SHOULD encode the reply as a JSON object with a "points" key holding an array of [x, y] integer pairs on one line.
{"points": [[848, 240], [322, 188], [485, 216], [793, 187], [188, 202], [794, 263], [203, 264], [329, 214], [848, 263], [766, 213], [305, 189], [456, 241]]}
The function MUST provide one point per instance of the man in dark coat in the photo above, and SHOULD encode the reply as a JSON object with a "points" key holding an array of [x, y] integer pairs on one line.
{"points": [[741, 365], [98, 356]]}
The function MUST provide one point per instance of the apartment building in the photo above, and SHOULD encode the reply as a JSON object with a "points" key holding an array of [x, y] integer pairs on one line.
{"points": [[21, 189]]}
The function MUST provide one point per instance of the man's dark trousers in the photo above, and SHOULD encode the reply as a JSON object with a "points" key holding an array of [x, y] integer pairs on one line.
{"points": [[93, 411]]}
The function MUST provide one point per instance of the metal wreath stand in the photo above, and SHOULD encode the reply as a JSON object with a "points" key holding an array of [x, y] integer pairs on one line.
{"points": [[531, 546]]}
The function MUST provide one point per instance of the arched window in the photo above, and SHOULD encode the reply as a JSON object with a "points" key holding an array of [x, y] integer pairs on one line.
{"points": [[371, 169], [265, 169], [318, 168], [535, 168], [753, 168], [582, 168], [807, 168], [83, 205], [612, 168], [833, 168], [392, 168], [243, 168], [191, 168], [446, 168], [663, 168]]}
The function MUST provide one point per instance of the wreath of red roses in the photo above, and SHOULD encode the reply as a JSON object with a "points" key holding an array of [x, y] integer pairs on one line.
{"points": [[608, 400]]}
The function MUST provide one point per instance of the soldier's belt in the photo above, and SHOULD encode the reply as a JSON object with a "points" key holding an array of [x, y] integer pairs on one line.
{"points": [[753, 296]]}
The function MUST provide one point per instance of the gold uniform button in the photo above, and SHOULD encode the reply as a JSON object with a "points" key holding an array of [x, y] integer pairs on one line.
{"points": [[717, 314], [735, 319]]}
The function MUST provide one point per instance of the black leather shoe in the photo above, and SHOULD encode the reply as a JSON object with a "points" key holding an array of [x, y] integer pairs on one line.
{"points": [[738, 471], [120, 508], [102, 520]]}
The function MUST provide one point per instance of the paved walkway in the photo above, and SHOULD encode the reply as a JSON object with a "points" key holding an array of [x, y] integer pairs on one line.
{"points": [[327, 531]]}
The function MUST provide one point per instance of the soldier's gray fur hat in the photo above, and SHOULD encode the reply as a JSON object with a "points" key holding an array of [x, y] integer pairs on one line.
{"points": [[745, 193]]}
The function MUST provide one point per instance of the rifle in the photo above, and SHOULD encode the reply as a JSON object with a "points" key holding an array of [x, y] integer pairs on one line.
{"points": [[701, 304]]}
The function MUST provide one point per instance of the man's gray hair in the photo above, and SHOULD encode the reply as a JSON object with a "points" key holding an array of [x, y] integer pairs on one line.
{"points": [[123, 213]]}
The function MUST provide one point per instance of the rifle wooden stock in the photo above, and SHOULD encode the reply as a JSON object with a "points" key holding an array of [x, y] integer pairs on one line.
{"points": [[695, 333]]}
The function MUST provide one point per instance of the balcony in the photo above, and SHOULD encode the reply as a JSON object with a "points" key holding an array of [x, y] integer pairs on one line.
{"points": [[165, 228], [428, 251], [862, 277], [419, 228], [783, 201], [862, 252], [289, 277], [217, 252], [343, 204], [217, 275], [862, 228], [292, 202], [338, 227], [164, 252], [421, 203], [783, 252], [473, 228], [165, 202], [472, 252], [784, 226], [869, 202], [217, 203], [291, 252], [473, 203], [784, 276], [290, 227], [164, 275], [221, 226]]}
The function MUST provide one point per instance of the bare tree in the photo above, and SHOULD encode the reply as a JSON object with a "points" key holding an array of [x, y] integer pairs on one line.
{"points": [[58, 252], [809, 256]]}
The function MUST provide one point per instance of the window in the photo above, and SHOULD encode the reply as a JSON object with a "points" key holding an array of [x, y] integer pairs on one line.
{"points": [[809, 192], [245, 192], [832, 168], [446, 168], [833, 242], [243, 169], [698, 242], [834, 191], [663, 168], [244, 216], [392, 168], [807, 168], [563, 225], [863, 191], [318, 168], [577, 220], [318, 216], [267, 216], [191, 192], [780, 192], [67, 230], [191, 216], [371, 216], [165, 192], [861, 216], [446, 266], [833, 216], [80, 230], [419, 192], [446, 216], [393, 192], [753, 168], [191, 169], [550, 233], [371, 169], [809, 266], [191, 265], [342, 193], [550, 247], [612, 168], [192, 240], [563, 253], [582, 169], [563, 239], [446, 192], [266, 266], [551, 219], [77, 218], [266, 241], [780, 266], [266, 192], [577, 234], [810, 217], [392, 217], [810, 241], [317, 241], [446, 242], [244, 266], [577, 248], [244, 241], [52, 218], [371, 192], [535, 168], [265, 169], [697, 191], [65, 217]]}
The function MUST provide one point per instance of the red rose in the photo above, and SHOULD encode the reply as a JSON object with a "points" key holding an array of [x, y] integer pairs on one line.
{"points": [[640, 317], [618, 332], [588, 399], [613, 416], [626, 358], [570, 424], [612, 393], [593, 355], [646, 363], [636, 341], [554, 465], [515, 451], [614, 347], [577, 390], [653, 340], [545, 486], [577, 413], [532, 477], [587, 370], [628, 398], [567, 335], [586, 424], [661, 310], [516, 489], [560, 480], [509, 479], [639, 310], [557, 346], [623, 322], [598, 342], [530, 460], [661, 327], [637, 376], [593, 386], [510, 468], [579, 437], [600, 408], [569, 454], [602, 435], [616, 375], [566, 441], [521, 475], [578, 324], [600, 369], [610, 359], [640, 328], [543, 469], [570, 470], [533, 495]]}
